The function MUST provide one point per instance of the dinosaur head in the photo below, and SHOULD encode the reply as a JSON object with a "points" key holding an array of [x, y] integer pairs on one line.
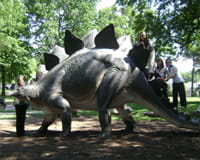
{"points": [[24, 93], [18, 93]]}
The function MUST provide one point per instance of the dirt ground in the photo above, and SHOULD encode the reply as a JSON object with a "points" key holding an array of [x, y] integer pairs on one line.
{"points": [[152, 140]]}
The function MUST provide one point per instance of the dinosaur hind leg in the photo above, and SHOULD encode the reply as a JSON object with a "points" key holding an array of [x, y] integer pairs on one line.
{"points": [[66, 117], [125, 113], [105, 122], [113, 81]]}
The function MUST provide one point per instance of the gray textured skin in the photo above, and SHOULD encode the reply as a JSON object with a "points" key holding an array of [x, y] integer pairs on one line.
{"points": [[96, 79]]}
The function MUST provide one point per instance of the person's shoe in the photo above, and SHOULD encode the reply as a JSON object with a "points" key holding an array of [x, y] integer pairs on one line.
{"points": [[196, 113], [187, 116], [175, 110], [20, 134], [151, 114]]}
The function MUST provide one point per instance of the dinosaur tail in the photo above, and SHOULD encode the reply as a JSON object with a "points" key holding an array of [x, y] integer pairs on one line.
{"points": [[144, 95]]}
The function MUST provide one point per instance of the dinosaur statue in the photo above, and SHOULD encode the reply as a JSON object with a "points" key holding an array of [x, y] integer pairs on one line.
{"points": [[58, 54], [96, 79]]}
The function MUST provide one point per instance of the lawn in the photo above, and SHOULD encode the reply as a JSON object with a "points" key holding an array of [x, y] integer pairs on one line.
{"points": [[138, 111]]}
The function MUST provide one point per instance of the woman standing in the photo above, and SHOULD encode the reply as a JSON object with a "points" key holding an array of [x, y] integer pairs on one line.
{"points": [[20, 107], [177, 86]]}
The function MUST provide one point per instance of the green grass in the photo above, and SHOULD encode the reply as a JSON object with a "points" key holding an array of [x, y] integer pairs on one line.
{"points": [[192, 104], [8, 99], [138, 111], [7, 117], [12, 116]]}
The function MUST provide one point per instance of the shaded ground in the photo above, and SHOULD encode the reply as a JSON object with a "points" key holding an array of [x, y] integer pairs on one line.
{"points": [[151, 141]]}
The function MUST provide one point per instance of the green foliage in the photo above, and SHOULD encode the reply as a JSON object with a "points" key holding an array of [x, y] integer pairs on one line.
{"points": [[14, 52], [127, 21], [30, 28], [175, 22], [123, 22], [50, 18], [187, 76]]}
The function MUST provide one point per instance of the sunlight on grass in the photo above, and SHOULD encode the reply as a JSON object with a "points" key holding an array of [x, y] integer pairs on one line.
{"points": [[138, 111], [9, 116], [192, 104], [6, 115]]}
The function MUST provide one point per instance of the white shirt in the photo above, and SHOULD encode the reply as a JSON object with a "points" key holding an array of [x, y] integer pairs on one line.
{"points": [[177, 78], [161, 72]]}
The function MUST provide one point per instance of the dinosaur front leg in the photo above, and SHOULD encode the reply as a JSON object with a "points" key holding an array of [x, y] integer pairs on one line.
{"points": [[48, 120], [63, 107], [105, 122]]}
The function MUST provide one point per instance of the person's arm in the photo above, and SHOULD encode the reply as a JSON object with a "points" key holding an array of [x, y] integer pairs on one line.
{"points": [[147, 45], [151, 61], [172, 74], [139, 43], [165, 74]]}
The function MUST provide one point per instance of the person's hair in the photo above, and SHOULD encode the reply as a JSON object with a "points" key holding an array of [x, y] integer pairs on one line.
{"points": [[144, 33], [162, 63], [19, 77], [168, 60]]}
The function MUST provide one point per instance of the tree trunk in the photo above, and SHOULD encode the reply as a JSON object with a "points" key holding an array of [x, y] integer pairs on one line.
{"points": [[192, 83], [3, 75]]}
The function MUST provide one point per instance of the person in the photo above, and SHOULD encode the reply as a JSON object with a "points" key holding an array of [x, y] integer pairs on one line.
{"points": [[41, 71], [20, 108], [160, 72], [143, 54], [2, 101], [177, 85], [159, 85]]}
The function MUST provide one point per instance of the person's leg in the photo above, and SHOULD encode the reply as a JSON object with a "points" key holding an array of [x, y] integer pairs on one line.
{"points": [[165, 91], [20, 119], [182, 96], [175, 94], [2, 101]]}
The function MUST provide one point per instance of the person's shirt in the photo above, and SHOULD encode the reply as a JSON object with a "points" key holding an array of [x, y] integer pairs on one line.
{"points": [[160, 72], [18, 101], [143, 55], [151, 61], [173, 73], [147, 44]]}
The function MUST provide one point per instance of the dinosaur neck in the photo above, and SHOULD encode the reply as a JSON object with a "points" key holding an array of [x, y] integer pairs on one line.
{"points": [[31, 91]]}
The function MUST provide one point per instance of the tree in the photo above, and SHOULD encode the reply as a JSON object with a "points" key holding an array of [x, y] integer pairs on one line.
{"points": [[194, 51], [14, 55], [50, 18], [123, 22], [177, 22], [127, 21], [177, 29]]}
